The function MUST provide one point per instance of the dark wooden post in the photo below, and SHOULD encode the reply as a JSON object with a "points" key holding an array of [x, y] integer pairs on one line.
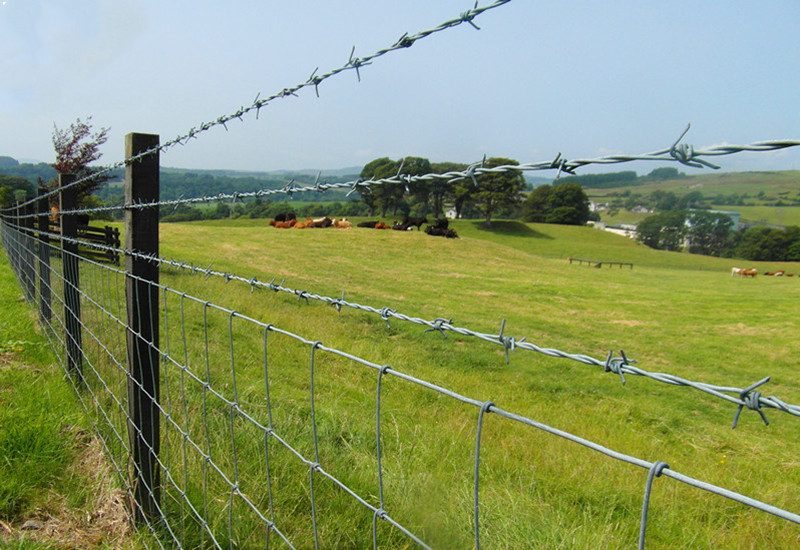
{"points": [[68, 201], [142, 294], [45, 313]]}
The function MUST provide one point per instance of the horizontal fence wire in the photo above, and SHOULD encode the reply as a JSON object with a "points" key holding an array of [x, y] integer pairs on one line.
{"points": [[230, 449], [749, 397], [683, 153], [353, 64]]}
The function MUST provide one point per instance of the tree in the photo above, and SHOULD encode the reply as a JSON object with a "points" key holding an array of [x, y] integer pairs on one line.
{"points": [[440, 188], [12, 187], [663, 231], [708, 232], [537, 204], [496, 190], [566, 203], [76, 147]]}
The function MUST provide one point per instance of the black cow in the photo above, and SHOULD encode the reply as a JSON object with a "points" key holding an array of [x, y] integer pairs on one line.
{"points": [[415, 222], [285, 217]]}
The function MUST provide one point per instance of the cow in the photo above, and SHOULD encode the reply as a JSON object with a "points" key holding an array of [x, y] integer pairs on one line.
{"points": [[285, 217], [735, 271], [441, 232], [413, 222], [370, 225], [748, 273], [342, 224]]}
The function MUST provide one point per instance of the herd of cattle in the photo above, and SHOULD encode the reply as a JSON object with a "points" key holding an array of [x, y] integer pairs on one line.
{"points": [[741, 272], [439, 227]]}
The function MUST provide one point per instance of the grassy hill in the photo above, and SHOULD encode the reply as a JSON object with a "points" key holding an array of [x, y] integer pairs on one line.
{"points": [[766, 197], [674, 313]]}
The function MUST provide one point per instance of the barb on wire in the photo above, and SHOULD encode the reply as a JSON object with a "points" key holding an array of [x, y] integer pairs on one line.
{"points": [[353, 63]]}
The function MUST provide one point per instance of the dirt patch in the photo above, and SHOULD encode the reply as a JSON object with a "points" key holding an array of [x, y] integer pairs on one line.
{"points": [[103, 522]]}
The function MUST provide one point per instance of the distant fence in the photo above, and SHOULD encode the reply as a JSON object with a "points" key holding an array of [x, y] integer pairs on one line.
{"points": [[601, 263]]}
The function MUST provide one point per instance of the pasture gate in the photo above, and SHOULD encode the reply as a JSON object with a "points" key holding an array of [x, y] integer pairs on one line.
{"points": [[209, 461]]}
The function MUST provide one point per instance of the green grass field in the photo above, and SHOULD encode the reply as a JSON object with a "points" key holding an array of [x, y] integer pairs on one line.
{"points": [[674, 313]]}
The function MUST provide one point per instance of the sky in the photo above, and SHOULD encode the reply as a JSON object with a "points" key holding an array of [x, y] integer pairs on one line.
{"points": [[576, 77]]}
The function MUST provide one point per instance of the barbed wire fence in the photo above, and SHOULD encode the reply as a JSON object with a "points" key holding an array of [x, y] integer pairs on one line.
{"points": [[211, 463]]}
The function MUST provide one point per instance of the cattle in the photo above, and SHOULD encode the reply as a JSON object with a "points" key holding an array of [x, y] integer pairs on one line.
{"points": [[381, 225], [398, 226], [748, 273], [342, 224], [319, 222], [370, 225], [735, 271], [413, 222], [282, 224], [285, 217], [441, 232]]}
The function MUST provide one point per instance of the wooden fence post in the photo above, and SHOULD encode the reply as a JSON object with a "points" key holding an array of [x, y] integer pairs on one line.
{"points": [[68, 201], [45, 312], [142, 295]]}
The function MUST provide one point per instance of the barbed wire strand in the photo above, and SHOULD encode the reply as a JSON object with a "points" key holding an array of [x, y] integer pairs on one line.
{"points": [[622, 365], [353, 64], [682, 153]]}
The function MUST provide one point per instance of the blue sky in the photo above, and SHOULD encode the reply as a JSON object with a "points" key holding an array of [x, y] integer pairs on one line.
{"points": [[582, 78]]}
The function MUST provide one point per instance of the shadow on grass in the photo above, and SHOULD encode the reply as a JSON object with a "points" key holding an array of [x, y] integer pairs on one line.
{"points": [[510, 228]]}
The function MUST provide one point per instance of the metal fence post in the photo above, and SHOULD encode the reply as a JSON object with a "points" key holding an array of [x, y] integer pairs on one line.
{"points": [[29, 262], [45, 313], [68, 201], [142, 296]]}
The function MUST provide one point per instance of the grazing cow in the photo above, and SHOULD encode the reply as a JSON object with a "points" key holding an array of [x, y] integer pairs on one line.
{"points": [[735, 271], [413, 222], [748, 273]]}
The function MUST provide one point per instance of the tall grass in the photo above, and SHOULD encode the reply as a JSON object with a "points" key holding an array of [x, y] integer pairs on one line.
{"points": [[675, 313]]}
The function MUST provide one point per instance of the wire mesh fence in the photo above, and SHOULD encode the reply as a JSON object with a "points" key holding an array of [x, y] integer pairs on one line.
{"points": [[247, 434], [270, 438]]}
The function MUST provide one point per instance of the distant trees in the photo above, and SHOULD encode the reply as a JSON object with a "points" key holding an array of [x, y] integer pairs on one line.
{"points": [[14, 188], [566, 203], [490, 193], [663, 231], [769, 244]]}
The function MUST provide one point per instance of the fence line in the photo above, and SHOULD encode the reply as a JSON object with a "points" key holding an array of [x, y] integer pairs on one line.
{"points": [[100, 387], [748, 397]]}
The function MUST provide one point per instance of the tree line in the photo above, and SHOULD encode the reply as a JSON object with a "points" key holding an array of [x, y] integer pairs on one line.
{"points": [[713, 234]]}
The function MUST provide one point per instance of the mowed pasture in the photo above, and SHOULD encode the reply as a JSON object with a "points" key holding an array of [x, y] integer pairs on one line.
{"points": [[674, 313]]}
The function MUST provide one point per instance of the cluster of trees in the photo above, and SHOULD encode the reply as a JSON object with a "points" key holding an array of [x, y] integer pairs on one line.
{"points": [[713, 234], [565, 203], [490, 193], [14, 189]]}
